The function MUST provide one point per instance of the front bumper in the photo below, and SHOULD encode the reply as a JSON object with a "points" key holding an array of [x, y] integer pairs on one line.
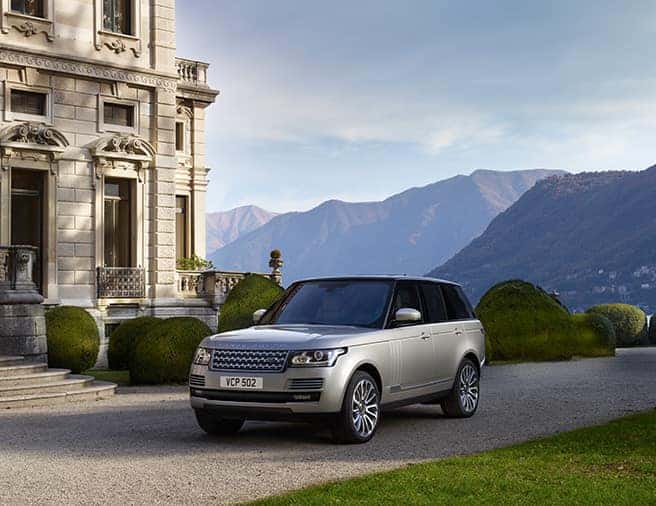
{"points": [[282, 395]]}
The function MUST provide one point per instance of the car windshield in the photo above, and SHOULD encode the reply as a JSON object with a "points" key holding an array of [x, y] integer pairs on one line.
{"points": [[357, 303]]}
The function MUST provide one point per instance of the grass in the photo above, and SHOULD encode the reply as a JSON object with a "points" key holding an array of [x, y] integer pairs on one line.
{"points": [[609, 464], [121, 378]]}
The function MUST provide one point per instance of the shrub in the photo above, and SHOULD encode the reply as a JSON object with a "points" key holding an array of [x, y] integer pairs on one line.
{"points": [[165, 353], [73, 340], [629, 322], [522, 322], [250, 294], [193, 263], [122, 340], [652, 330], [594, 336]]}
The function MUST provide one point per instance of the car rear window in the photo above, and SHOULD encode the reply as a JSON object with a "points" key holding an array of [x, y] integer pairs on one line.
{"points": [[457, 305]]}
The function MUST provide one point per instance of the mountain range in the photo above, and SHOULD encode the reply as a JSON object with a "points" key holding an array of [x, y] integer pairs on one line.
{"points": [[409, 232], [224, 227], [591, 237]]}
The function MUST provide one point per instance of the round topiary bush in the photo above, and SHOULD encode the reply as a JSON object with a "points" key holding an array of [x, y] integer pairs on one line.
{"points": [[250, 294], [73, 340], [594, 335], [522, 322], [629, 322], [122, 340], [165, 353]]}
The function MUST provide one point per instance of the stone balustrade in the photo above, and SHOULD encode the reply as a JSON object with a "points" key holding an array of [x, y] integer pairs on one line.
{"points": [[192, 72]]}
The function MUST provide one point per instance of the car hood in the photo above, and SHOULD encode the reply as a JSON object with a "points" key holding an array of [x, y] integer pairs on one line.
{"points": [[289, 337]]}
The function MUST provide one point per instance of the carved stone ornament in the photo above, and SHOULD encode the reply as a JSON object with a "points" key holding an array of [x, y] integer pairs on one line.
{"points": [[121, 151], [28, 29], [116, 45], [33, 133]]}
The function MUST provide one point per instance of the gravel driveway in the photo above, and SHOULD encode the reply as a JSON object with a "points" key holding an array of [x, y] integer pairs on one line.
{"points": [[143, 446]]}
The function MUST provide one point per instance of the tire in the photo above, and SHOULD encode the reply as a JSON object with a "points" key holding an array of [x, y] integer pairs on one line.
{"points": [[351, 427], [462, 401], [216, 426]]}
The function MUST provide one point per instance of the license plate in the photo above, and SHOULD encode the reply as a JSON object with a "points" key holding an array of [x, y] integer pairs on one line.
{"points": [[242, 382]]}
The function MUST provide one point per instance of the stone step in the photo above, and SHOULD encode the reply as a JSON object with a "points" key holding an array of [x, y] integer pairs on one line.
{"points": [[93, 391], [40, 378], [4, 361], [21, 369], [72, 382]]}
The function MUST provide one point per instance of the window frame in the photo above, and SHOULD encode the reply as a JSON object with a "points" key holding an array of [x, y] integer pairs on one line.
{"points": [[183, 140], [111, 127], [390, 312], [42, 15], [10, 115], [131, 21], [466, 302], [438, 287]]}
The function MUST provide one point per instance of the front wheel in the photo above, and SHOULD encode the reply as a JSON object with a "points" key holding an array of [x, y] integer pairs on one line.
{"points": [[462, 401], [216, 426], [358, 420]]}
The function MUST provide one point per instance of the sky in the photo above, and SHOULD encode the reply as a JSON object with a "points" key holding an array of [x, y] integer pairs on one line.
{"points": [[358, 100]]}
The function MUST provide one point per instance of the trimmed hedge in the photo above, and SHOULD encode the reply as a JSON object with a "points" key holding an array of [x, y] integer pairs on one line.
{"points": [[122, 340], [629, 322], [523, 322], [165, 353], [652, 330], [595, 336], [250, 294], [73, 340]]}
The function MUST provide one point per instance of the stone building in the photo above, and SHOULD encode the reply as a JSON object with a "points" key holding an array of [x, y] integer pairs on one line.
{"points": [[102, 157]]}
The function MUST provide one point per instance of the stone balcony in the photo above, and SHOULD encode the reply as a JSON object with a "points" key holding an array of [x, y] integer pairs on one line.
{"points": [[191, 72]]}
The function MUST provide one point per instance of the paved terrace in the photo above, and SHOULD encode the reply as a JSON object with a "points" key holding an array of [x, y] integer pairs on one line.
{"points": [[143, 446]]}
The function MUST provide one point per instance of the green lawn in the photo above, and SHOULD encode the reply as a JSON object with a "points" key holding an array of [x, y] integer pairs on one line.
{"points": [[121, 378], [609, 464]]}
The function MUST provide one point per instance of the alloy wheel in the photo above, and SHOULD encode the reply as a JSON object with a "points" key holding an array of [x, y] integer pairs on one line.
{"points": [[364, 408], [468, 388]]}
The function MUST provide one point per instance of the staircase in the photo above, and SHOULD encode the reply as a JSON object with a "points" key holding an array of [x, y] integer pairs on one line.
{"points": [[24, 384]]}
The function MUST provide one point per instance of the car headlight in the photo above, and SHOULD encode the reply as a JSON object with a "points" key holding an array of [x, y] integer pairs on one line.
{"points": [[315, 358], [203, 356]]}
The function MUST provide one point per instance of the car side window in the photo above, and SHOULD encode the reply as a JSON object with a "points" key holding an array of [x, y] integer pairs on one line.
{"points": [[406, 295], [457, 306], [434, 302]]}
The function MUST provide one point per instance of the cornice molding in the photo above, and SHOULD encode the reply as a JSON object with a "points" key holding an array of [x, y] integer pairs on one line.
{"points": [[58, 64]]}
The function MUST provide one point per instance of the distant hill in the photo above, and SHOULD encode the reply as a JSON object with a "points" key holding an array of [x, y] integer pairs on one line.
{"points": [[224, 227], [407, 233], [591, 237]]}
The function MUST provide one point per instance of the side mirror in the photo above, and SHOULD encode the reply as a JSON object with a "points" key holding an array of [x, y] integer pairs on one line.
{"points": [[407, 315], [257, 315]]}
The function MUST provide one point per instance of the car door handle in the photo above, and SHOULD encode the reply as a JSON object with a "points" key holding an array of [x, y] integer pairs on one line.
{"points": [[425, 335], [458, 332]]}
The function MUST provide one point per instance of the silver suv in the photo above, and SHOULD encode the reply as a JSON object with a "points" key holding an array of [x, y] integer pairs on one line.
{"points": [[343, 349]]}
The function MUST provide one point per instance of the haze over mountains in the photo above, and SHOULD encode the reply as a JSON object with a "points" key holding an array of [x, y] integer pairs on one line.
{"points": [[409, 232], [224, 227], [591, 237]]}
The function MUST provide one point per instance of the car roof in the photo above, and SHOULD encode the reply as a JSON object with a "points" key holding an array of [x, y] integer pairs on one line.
{"points": [[385, 277]]}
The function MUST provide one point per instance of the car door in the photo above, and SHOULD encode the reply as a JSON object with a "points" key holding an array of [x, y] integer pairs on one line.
{"points": [[460, 321], [443, 331], [416, 343]]}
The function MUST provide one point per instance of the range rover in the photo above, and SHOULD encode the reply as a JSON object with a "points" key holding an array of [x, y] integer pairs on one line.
{"points": [[343, 350]]}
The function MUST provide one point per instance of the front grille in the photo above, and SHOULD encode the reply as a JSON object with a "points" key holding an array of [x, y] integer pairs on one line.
{"points": [[196, 380], [305, 384], [249, 360], [246, 396]]}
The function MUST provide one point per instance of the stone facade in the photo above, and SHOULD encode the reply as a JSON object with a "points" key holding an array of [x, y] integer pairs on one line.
{"points": [[102, 154]]}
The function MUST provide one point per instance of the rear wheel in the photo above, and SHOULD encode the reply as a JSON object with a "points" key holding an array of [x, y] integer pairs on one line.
{"points": [[462, 401], [215, 425], [358, 420]]}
